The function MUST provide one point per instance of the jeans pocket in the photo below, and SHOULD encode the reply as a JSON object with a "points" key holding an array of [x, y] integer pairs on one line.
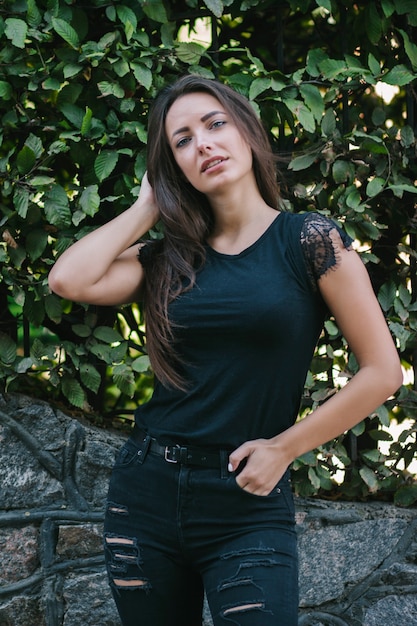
{"points": [[281, 495], [129, 454]]}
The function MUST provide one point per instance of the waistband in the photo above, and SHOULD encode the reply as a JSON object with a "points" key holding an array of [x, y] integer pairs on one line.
{"points": [[185, 455]]}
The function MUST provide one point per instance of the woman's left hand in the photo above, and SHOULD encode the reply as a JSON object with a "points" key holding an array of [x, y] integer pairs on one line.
{"points": [[263, 466]]}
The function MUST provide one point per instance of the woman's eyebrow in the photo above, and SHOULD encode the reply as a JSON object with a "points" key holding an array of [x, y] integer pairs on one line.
{"points": [[205, 117]]}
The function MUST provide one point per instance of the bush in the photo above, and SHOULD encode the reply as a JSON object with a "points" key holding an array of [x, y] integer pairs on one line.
{"points": [[76, 80]]}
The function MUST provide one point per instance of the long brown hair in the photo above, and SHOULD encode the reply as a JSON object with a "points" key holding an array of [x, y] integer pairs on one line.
{"points": [[186, 214]]}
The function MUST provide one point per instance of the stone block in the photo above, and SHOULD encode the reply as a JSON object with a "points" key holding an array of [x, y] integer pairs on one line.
{"points": [[77, 541], [19, 554]]}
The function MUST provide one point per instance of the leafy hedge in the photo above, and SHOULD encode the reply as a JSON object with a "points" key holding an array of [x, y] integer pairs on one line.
{"points": [[76, 80]]}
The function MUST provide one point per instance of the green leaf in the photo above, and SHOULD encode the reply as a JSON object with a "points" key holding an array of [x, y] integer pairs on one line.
{"points": [[314, 58], [258, 86], [342, 171], [375, 186], [407, 136], [309, 458], [128, 19], [53, 308], [90, 377], [35, 144], [36, 241], [105, 164], [90, 200], [107, 334], [374, 65], [410, 48], [118, 352], [40, 351], [23, 364], [124, 379], [399, 75], [111, 89], [56, 206], [369, 478], [73, 391], [328, 123], [102, 351], [142, 74], [386, 295], [353, 199], [154, 9], [325, 4], [313, 478], [21, 201], [373, 456], [141, 364], [74, 114], [331, 328], [302, 162], [71, 69], [313, 99], [25, 160], [373, 23], [215, 6], [383, 415], [405, 295], [6, 90], [398, 190], [387, 7], [86, 123], [406, 495], [33, 14], [82, 330], [16, 30], [359, 429], [189, 52], [8, 349], [66, 31], [332, 68], [304, 115]]}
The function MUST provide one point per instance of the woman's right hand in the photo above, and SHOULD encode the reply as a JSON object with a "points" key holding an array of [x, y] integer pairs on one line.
{"points": [[147, 197]]}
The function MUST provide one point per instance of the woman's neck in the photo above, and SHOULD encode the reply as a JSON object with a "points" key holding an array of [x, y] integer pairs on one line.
{"points": [[239, 224]]}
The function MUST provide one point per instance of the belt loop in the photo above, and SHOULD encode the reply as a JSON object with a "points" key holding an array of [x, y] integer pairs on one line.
{"points": [[224, 462], [143, 448]]}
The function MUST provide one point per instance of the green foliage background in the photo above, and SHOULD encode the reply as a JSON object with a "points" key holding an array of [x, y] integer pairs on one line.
{"points": [[76, 80]]}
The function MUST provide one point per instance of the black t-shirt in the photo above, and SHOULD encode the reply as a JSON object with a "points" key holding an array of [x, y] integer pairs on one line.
{"points": [[246, 333]]}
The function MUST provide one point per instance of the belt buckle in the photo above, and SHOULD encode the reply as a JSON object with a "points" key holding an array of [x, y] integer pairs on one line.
{"points": [[167, 451]]}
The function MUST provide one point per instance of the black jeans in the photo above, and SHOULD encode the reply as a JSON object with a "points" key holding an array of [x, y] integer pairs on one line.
{"points": [[173, 531]]}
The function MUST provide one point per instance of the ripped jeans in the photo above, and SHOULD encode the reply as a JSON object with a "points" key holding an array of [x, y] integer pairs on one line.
{"points": [[174, 532]]}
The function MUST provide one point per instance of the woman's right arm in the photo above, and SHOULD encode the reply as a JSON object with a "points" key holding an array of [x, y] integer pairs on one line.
{"points": [[102, 268]]}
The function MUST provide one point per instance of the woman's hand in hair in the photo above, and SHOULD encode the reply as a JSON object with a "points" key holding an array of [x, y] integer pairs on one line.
{"points": [[146, 199]]}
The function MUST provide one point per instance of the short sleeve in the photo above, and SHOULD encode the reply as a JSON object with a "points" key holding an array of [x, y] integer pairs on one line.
{"points": [[147, 251], [321, 242]]}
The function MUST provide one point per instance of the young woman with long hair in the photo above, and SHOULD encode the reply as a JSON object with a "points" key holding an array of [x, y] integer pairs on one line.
{"points": [[235, 294]]}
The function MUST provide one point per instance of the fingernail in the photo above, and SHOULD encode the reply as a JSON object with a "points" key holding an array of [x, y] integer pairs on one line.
{"points": [[230, 467]]}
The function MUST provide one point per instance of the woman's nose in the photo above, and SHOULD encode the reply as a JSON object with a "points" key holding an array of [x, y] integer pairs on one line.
{"points": [[203, 143]]}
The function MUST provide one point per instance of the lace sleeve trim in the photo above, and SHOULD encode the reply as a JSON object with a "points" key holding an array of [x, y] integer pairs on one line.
{"points": [[322, 241]]}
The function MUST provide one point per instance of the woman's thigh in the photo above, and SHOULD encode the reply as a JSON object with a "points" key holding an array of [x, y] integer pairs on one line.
{"points": [[254, 580], [151, 582]]}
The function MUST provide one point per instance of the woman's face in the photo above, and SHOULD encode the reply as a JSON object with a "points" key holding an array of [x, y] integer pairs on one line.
{"points": [[207, 145]]}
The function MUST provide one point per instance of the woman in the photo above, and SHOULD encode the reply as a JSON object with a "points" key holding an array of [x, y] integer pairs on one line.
{"points": [[235, 297]]}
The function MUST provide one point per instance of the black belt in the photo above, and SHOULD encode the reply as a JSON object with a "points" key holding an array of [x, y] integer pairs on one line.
{"points": [[186, 455]]}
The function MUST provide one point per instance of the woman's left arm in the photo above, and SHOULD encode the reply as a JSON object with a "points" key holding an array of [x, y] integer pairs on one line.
{"points": [[348, 292]]}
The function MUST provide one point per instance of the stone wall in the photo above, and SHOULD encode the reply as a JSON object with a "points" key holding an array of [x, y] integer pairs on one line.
{"points": [[358, 561]]}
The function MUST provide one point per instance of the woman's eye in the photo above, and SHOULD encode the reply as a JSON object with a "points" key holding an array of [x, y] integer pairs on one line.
{"points": [[182, 142], [218, 123]]}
